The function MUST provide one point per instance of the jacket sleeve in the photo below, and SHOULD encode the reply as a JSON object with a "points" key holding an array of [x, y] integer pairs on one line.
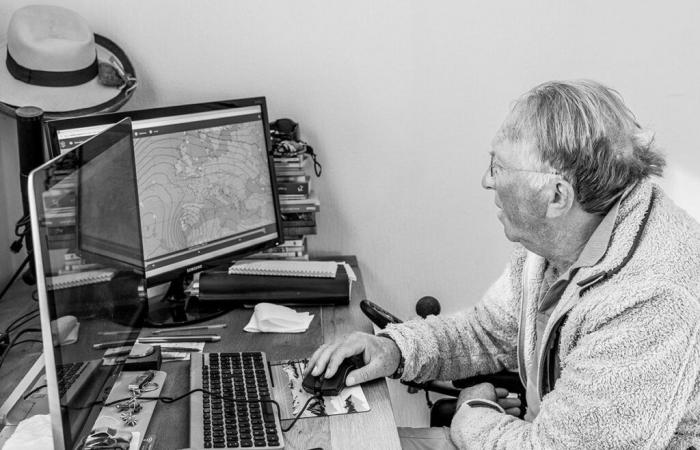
{"points": [[625, 383], [482, 339]]}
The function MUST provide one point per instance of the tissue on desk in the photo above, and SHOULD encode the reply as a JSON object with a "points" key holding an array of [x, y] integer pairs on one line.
{"points": [[271, 318], [65, 330]]}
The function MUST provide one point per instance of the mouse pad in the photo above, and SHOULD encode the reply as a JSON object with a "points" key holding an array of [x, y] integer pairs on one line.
{"points": [[287, 390]]}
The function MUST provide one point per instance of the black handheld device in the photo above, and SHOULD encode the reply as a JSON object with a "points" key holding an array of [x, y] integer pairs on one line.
{"points": [[378, 315], [332, 386]]}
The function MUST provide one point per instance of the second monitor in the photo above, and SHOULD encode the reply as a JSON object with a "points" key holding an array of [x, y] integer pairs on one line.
{"points": [[206, 188]]}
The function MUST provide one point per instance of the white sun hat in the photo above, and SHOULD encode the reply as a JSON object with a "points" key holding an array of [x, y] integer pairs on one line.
{"points": [[53, 60]]}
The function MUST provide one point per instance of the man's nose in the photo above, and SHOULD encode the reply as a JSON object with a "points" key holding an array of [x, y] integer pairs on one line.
{"points": [[487, 180]]}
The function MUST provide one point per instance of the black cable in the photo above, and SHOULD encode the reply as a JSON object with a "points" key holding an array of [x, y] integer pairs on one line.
{"points": [[318, 169], [14, 339], [15, 276], [26, 340], [168, 400], [26, 396], [12, 324], [21, 320]]}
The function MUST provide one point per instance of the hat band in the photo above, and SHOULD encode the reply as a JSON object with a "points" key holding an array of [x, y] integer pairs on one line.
{"points": [[50, 78]]}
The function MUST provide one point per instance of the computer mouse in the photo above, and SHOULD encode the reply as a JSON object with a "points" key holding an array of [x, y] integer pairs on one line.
{"points": [[332, 386]]}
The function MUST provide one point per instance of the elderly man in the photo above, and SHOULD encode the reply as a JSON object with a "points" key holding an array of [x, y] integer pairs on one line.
{"points": [[598, 309]]}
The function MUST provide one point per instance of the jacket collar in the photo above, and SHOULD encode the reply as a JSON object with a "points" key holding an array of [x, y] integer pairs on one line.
{"points": [[626, 222]]}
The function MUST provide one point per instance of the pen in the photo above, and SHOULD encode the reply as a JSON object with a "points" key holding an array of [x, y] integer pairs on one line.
{"points": [[192, 338], [111, 333], [198, 327], [110, 344], [163, 348]]}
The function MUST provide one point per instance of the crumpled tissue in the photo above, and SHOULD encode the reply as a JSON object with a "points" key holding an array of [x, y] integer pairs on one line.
{"points": [[271, 318], [31, 433], [65, 330]]}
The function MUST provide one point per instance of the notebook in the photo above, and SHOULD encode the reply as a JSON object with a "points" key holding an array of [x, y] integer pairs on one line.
{"points": [[286, 268], [68, 280]]}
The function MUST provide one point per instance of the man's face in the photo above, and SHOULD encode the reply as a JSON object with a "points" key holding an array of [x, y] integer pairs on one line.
{"points": [[521, 206]]}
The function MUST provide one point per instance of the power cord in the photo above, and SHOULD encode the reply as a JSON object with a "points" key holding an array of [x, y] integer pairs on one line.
{"points": [[26, 340], [22, 230], [14, 340], [21, 320], [15, 276], [26, 396], [168, 400]]}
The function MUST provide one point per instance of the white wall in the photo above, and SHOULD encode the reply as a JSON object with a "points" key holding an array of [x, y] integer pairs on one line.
{"points": [[401, 99]]}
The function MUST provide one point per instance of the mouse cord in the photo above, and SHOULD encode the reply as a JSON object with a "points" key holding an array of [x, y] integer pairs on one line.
{"points": [[213, 394]]}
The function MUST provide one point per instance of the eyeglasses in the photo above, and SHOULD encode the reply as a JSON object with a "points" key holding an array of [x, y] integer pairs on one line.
{"points": [[494, 167]]}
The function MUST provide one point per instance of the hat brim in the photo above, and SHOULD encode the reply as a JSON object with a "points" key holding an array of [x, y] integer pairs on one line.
{"points": [[15, 93]]}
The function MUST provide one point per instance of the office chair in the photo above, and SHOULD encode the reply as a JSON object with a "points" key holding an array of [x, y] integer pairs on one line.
{"points": [[443, 409]]}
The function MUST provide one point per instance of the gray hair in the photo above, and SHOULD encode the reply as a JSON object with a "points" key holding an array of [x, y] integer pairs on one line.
{"points": [[585, 132]]}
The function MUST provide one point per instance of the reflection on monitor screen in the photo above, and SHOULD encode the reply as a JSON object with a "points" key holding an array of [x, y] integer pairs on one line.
{"points": [[89, 262], [109, 219], [205, 186]]}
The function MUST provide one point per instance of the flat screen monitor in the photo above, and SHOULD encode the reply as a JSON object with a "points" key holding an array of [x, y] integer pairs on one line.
{"points": [[206, 189], [87, 197]]}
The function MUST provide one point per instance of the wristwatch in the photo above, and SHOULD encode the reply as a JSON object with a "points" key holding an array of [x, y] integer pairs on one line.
{"points": [[399, 370], [398, 373]]}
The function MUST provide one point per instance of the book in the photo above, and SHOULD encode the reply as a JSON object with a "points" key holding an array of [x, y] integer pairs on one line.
{"points": [[303, 219], [300, 242], [299, 205], [289, 161], [285, 249], [289, 171], [58, 221], [298, 231], [65, 242], [292, 196], [292, 179], [287, 208], [293, 187], [278, 255]]}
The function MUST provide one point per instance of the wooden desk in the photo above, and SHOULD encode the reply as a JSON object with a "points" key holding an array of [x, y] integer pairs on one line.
{"points": [[375, 429]]}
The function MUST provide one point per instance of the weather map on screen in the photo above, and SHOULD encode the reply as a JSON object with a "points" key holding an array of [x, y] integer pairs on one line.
{"points": [[201, 185]]}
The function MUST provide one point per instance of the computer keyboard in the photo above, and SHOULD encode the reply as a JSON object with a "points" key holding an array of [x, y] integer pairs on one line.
{"points": [[67, 374], [221, 422]]}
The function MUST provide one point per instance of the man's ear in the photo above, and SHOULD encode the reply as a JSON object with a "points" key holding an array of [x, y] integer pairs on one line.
{"points": [[561, 198]]}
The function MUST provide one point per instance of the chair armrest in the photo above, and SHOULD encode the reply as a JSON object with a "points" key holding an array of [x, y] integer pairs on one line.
{"points": [[504, 379], [441, 387]]}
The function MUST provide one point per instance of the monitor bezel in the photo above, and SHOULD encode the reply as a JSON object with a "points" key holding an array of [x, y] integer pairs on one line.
{"points": [[47, 309], [53, 127]]}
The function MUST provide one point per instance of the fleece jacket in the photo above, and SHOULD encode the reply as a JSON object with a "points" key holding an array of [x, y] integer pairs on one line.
{"points": [[626, 333]]}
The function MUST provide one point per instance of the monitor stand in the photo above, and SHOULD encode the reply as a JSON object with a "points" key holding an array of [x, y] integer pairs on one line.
{"points": [[177, 308]]}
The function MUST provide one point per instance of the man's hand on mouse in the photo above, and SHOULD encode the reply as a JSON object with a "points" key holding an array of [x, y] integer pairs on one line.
{"points": [[381, 357]]}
